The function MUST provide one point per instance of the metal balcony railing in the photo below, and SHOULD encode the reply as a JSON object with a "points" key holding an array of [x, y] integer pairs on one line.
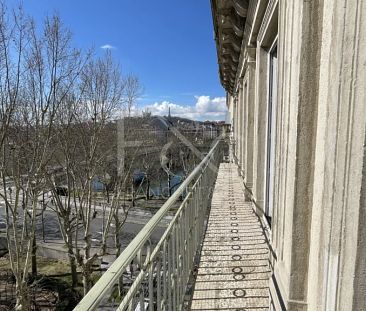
{"points": [[147, 277]]}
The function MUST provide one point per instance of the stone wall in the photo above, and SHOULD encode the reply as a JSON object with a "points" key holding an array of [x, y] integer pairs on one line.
{"points": [[317, 230]]}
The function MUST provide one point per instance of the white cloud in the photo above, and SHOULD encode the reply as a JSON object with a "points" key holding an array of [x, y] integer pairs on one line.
{"points": [[108, 47], [206, 108]]}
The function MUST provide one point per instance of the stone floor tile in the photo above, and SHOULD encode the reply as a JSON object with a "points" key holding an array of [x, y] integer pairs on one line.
{"points": [[233, 271]]}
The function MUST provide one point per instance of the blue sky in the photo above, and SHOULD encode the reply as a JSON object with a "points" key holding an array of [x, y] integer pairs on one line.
{"points": [[167, 43]]}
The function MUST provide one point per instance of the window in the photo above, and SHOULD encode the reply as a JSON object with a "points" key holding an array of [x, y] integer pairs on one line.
{"points": [[271, 132]]}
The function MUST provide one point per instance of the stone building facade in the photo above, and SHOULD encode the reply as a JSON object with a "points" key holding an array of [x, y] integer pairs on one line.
{"points": [[295, 76]]}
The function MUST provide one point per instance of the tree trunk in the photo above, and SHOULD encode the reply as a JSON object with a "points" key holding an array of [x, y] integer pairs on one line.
{"points": [[43, 233], [160, 188], [86, 278], [74, 274], [117, 244], [147, 189], [43, 210], [34, 255], [169, 186], [107, 189], [72, 262], [22, 300]]}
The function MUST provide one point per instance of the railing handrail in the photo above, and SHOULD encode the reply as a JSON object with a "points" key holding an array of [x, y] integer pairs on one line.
{"points": [[106, 282]]}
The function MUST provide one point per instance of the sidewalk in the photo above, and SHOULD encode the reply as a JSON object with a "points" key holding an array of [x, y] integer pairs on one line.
{"points": [[233, 270]]}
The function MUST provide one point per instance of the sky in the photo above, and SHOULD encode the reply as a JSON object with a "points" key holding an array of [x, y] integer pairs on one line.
{"points": [[168, 44]]}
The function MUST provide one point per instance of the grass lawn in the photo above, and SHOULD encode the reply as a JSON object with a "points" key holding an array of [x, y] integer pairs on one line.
{"points": [[59, 269], [45, 266]]}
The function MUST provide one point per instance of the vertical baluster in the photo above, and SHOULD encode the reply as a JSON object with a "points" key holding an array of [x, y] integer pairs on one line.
{"points": [[198, 225], [195, 220], [174, 268], [184, 240], [190, 239], [182, 237], [201, 209], [201, 206], [158, 281], [190, 234], [196, 207], [151, 287], [204, 198], [195, 217], [191, 223], [178, 265], [141, 289], [169, 253], [181, 242], [165, 275], [188, 228], [175, 265], [181, 256]]}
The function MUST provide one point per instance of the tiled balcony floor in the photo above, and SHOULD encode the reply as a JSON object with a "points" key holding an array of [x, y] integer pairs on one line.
{"points": [[233, 270]]}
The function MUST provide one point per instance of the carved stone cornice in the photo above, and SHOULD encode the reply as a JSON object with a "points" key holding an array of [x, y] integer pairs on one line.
{"points": [[229, 17], [247, 29]]}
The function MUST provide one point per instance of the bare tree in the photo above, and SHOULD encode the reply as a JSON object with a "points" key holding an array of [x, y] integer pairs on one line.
{"points": [[66, 160], [56, 107], [101, 90], [54, 67], [13, 39], [133, 90], [39, 77]]}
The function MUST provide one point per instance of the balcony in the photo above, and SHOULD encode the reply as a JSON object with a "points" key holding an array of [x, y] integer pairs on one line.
{"points": [[212, 256]]}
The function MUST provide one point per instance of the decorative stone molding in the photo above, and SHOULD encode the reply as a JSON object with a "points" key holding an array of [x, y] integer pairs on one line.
{"points": [[229, 21], [258, 13], [268, 15]]}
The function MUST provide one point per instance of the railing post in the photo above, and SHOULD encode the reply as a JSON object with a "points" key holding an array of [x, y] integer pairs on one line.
{"points": [[169, 273], [158, 287], [151, 287], [174, 269], [165, 276]]}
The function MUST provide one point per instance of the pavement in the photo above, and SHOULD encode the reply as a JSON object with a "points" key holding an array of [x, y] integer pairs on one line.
{"points": [[54, 247], [233, 272]]}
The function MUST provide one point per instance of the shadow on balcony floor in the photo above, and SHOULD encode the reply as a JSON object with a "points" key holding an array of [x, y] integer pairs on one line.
{"points": [[233, 271]]}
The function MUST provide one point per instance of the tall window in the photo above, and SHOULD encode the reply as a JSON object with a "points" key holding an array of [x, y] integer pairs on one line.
{"points": [[271, 132]]}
